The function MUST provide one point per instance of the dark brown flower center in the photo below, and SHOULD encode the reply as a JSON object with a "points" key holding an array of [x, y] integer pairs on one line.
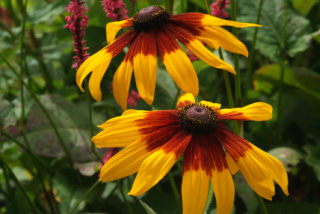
{"points": [[198, 119], [149, 18]]}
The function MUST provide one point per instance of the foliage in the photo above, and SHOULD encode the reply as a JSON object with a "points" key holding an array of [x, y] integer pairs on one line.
{"points": [[35, 170]]}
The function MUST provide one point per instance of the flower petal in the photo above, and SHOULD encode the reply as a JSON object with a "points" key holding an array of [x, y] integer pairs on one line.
{"points": [[232, 165], [258, 111], [157, 165], [194, 190], [145, 65], [185, 100], [113, 28], [256, 171], [103, 56], [214, 106], [196, 47], [125, 162], [217, 37], [200, 20], [95, 80], [122, 78], [224, 191], [177, 63]]}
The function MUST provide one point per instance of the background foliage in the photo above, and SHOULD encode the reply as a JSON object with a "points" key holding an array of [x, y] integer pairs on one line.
{"points": [[40, 174]]}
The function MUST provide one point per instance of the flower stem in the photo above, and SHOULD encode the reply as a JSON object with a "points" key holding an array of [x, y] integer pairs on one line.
{"points": [[66, 151], [174, 188], [84, 196], [283, 64], [263, 207], [124, 197], [252, 52], [5, 165]]}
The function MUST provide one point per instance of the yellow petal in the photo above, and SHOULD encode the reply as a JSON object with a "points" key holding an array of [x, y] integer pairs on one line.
{"points": [[257, 175], [232, 165], [99, 58], [223, 188], [214, 106], [119, 131], [177, 63], [152, 170], [195, 185], [125, 162], [274, 166], [113, 28], [217, 37], [145, 66], [258, 111], [158, 164], [121, 83], [185, 99], [95, 80], [215, 21]]}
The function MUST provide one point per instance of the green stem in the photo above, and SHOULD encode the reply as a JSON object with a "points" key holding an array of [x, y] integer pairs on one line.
{"points": [[252, 52], [284, 34], [35, 210], [207, 6], [42, 108], [174, 188], [93, 148], [171, 6], [84, 196], [124, 197], [263, 207]]}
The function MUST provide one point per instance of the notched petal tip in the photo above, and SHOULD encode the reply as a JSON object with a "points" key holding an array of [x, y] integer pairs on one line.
{"points": [[185, 99]]}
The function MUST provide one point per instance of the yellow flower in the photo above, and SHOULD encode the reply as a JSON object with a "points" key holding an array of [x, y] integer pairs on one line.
{"points": [[154, 141], [154, 32]]}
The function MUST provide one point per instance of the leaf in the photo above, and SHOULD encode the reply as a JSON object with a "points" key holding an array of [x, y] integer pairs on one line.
{"points": [[44, 11], [147, 208], [7, 114], [313, 157], [269, 39], [72, 122], [304, 6], [288, 156]]}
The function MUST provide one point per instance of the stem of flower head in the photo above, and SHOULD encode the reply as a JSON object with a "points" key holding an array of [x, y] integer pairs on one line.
{"points": [[251, 55]]}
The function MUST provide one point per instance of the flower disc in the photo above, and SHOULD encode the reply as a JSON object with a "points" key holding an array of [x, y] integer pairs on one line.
{"points": [[149, 18], [198, 119]]}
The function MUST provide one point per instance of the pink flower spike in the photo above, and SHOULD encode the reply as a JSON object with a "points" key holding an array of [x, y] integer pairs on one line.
{"points": [[115, 9], [77, 22], [218, 8]]}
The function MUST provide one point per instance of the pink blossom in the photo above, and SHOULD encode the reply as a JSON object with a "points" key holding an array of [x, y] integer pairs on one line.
{"points": [[218, 8], [133, 98], [110, 153], [77, 22], [115, 9]]}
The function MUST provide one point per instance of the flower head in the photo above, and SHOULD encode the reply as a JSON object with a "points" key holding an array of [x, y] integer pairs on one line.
{"points": [[154, 141], [77, 22], [115, 9], [218, 8], [154, 31]]}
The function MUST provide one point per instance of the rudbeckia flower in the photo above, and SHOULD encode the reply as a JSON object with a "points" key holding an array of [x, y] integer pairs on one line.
{"points": [[155, 140], [154, 31]]}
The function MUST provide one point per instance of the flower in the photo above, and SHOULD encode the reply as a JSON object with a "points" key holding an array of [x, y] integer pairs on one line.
{"points": [[155, 31], [115, 9], [77, 22], [218, 8], [154, 141]]}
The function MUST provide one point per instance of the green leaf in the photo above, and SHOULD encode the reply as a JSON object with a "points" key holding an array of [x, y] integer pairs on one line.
{"points": [[304, 6], [269, 39], [313, 157], [72, 122], [147, 208], [288, 156]]}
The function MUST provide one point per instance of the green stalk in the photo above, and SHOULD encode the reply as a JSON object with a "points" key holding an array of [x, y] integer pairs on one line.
{"points": [[93, 148], [10, 193], [284, 34], [66, 151], [84, 196], [252, 52], [35, 210], [174, 188], [124, 198], [263, 207]]}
